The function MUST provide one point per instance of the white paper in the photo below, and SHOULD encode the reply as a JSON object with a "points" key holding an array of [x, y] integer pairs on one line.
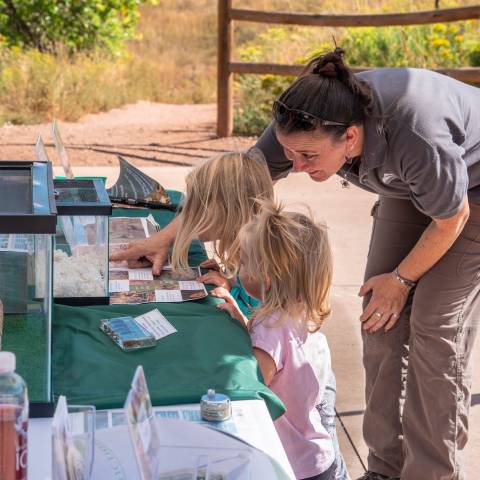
{"points": [[190, 285], [116, 286], [114, 457], [156, 324], [61, 152], [60, 440], [40, 151], [142, 426], [140, 274], [168, 296]]}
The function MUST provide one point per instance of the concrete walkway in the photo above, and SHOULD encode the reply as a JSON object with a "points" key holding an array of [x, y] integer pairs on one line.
{"points": [[347, 213]]}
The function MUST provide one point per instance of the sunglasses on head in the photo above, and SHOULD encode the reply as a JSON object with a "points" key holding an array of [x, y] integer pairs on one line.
{"points": [[301, 119]]}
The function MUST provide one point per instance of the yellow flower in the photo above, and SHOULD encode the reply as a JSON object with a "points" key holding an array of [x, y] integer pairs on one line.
{"points": [[440, 42], [439, 28], [459, 38], [446, 53], [453, 28]]}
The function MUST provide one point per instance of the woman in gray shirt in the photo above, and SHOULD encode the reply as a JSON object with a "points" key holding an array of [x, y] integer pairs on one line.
{"points": [[413, 137]]}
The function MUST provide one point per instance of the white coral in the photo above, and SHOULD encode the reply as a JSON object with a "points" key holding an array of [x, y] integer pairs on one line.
{"points": [[74, 276], [78, 276]]}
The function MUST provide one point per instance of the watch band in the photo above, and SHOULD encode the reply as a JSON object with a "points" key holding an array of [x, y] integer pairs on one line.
{"points": [[403, 280]]}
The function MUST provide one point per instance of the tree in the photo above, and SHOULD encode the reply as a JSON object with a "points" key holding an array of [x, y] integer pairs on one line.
{"points": [[74, 25]]}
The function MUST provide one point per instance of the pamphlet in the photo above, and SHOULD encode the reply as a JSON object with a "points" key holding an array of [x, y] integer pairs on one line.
{"points": [[135, 286], [156, 324]]}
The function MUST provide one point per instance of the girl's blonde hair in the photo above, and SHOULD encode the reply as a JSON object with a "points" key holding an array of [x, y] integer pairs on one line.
{"points": [[220, 198], [290, 254]]}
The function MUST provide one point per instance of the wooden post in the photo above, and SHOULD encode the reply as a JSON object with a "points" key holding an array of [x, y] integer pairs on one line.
{"points": [[224, 76]]}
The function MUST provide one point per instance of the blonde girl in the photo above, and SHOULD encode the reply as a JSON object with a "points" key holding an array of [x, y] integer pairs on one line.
{"points": [[286, 263], [221, 197]]}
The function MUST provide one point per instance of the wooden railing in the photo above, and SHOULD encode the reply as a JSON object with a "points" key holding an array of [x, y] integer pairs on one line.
{"points": [[226, 68]]}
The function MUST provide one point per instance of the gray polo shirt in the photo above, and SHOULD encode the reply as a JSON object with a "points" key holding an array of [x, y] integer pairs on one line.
{"points": [[423, 143]]}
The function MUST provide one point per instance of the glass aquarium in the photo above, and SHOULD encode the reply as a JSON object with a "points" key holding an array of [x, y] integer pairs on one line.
{"points": [[27, 225], [80, 266]]}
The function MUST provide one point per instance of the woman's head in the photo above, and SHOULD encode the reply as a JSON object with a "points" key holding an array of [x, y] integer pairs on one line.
{"points": [[286, 262], [220, 198], [319, 118]]}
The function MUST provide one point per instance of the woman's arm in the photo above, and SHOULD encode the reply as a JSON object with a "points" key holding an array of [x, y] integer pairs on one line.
{"points": [[152, 251], [388, 293]]}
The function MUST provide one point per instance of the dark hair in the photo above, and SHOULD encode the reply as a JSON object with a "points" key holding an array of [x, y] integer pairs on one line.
{"points": [[328, 90]]}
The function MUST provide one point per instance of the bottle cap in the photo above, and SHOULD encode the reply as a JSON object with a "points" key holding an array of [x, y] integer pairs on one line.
{"points": [[211, 393], [7, 362]]}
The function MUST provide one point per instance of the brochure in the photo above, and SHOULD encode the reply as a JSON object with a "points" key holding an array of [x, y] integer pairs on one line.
{"points": [[139, 285]]}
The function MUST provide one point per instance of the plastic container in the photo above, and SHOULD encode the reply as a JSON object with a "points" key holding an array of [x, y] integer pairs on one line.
{"points": [[83, 177], [13, 421], [215, 407]]}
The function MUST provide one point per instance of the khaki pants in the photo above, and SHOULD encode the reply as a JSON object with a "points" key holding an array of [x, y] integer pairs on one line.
{"points": [[419, 374]]}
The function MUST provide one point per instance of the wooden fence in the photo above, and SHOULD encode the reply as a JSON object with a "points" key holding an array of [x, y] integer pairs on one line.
{"points": [[226, 68]]}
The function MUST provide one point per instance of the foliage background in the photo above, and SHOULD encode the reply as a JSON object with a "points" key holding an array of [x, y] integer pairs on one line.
{"points": [[96, 55]]}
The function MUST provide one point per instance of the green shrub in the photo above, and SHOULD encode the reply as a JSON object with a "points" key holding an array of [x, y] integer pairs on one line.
{"points": [[49, 25], [427, 46], [255, 95]]}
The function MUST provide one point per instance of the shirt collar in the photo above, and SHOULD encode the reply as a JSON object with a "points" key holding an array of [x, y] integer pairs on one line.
{"points": [[375, 143]]}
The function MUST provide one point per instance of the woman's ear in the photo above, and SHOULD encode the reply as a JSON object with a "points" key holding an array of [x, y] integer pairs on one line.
{"points": [[353, 138]]}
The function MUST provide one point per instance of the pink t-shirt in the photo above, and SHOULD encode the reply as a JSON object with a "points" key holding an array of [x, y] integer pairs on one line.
{"points": [[308, 445]]}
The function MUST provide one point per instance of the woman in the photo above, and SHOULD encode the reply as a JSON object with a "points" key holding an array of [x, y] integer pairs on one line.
{"points": [[411, 136]]}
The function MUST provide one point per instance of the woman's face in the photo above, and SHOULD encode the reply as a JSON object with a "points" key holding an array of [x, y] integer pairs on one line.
{"points": [[319, 155]]}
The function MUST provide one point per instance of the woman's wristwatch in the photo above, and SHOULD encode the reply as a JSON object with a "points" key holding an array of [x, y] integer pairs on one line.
{"points": [[403, 280]]}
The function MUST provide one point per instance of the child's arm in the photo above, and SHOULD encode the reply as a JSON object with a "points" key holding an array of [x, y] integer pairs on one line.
{"points": [[215, 278], [210, 264], [266, 364], [230, 306], [265, 361]]}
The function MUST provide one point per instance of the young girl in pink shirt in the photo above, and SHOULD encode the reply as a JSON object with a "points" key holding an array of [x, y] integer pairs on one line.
{"points": [[286, 263]]}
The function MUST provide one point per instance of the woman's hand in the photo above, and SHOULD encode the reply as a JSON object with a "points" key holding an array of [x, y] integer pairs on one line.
{"points": [[230, 306], [215, 278], [145, 253], [388, 299]]}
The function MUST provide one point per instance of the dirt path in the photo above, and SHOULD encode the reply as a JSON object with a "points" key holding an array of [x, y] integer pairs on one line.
{"points": [[148, 134]]}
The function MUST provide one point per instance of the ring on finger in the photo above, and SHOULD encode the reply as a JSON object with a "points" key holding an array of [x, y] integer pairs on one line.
{"points": [[378, 314]]}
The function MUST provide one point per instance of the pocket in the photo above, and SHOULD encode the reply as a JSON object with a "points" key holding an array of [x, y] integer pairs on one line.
{"points": [[469, 245], [373, 213]]}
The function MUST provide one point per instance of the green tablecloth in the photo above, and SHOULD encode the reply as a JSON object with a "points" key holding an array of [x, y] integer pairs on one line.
{"points": [[210, 350]]}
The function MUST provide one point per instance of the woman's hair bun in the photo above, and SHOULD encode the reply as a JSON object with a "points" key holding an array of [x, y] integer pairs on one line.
{"points": [[330, 65]]}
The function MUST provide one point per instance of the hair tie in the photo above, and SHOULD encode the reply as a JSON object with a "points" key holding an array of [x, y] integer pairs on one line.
{"points": [[329, 69]]}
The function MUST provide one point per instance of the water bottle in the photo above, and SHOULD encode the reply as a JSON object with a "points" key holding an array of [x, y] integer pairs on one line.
{"points": [[13, 421]]}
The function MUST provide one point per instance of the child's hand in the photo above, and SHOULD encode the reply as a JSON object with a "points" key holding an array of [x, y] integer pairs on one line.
{"points": [[215, 278], [230, 305], [211, 264]]}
